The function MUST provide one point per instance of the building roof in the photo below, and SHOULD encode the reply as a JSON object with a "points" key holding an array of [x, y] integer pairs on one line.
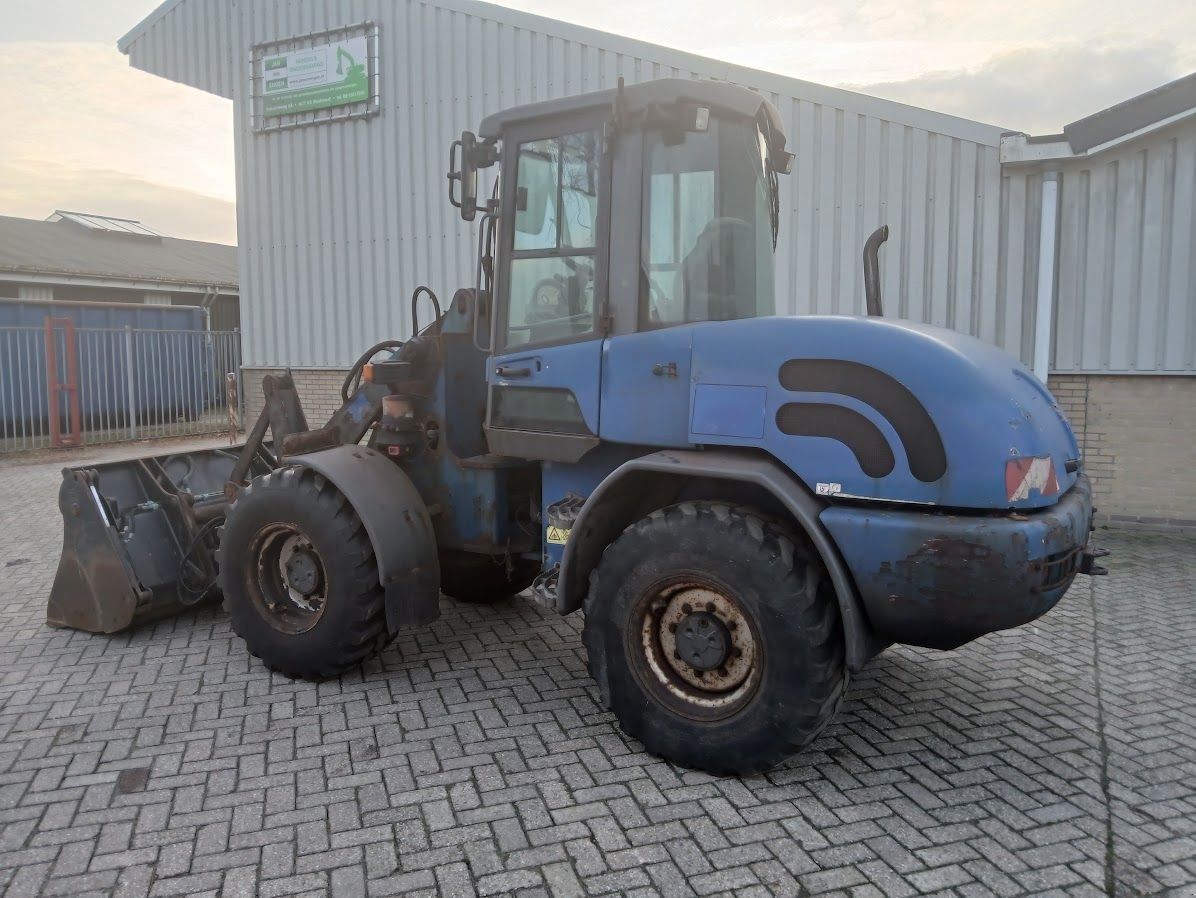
{"points": [[164, 43], [1151, 108], [65, 246], [1135, 118]]}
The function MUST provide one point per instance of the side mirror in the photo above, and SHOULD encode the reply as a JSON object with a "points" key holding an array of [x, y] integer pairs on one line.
{"points": [[466, 174], [466, 156]]}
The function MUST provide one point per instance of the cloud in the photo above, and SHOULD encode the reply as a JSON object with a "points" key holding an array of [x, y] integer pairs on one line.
{"points": [[73, 20], [81, 128], [877, 41], [36, 190], [106, 137], [1039, 89]]}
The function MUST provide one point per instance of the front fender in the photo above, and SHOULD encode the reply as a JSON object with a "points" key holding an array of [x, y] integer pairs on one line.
{"points": [[397, 523], [642, 485]]}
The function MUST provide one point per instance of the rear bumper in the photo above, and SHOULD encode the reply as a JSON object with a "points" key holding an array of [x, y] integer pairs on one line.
{"points": [[940, 580]]}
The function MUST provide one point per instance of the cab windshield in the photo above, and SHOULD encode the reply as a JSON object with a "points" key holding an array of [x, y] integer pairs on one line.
{"points": [[708, 225]]}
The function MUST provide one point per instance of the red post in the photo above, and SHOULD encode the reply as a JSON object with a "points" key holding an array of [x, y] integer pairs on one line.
{"points": [[74, 436]]}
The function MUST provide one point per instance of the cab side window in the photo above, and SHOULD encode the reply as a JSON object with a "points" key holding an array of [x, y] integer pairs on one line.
{"points": [[553, 246], [706, 255]]}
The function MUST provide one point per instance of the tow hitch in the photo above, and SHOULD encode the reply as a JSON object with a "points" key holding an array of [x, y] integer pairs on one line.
{"points": [[1088, 563]]}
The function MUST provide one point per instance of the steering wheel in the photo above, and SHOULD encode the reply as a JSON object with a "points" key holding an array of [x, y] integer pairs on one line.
{"points": [[549, 300]]}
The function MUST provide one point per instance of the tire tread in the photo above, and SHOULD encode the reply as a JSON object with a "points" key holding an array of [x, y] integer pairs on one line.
{"points": [[774, 544], [366, 632]]}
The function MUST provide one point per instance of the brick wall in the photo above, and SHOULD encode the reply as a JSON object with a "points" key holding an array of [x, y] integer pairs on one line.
{"points": [[320, 392], [1138, 436]]}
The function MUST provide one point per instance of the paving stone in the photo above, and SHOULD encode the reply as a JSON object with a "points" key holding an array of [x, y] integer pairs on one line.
{"points": [[472, 757]]}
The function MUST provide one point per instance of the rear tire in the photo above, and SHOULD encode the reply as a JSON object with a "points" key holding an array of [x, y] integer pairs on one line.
{"points": [[483, 580], [715, 638], [299, 576]]}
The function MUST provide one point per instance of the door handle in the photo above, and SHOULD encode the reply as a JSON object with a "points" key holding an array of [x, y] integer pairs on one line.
{"points": [[505, 371]]}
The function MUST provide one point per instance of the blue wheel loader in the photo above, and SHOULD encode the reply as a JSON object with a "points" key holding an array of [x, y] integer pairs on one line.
{"points": [[746, 507]]}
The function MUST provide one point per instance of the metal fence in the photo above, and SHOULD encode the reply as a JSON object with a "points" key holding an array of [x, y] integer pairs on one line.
{"points": [[62, 385]]}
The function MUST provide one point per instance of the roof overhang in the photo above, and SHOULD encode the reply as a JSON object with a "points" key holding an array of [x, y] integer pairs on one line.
{"points": [[1132, 120], [145, 25], [1021, 149], [91, 280]]}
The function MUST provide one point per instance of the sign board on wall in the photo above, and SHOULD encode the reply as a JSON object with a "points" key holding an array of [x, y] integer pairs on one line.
{"points": [[319, 77]]}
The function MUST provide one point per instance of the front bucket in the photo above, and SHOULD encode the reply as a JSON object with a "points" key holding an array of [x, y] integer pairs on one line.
{"points": [[139, 538]]}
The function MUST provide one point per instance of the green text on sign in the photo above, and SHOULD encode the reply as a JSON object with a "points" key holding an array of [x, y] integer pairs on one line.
{"points": [[322, 77]]}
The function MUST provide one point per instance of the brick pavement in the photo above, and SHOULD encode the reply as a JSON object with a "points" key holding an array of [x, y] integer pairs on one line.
{"points": [[473, 759]]}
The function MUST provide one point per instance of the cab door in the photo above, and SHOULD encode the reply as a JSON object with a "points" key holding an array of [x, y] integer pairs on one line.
{"points": [[550, 285]]}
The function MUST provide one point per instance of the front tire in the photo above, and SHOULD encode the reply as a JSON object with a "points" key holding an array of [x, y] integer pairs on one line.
{"points": [[715, 638], [299, 576]]}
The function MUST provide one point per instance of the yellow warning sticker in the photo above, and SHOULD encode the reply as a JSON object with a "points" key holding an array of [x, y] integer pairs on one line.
{"points": [[558, 535]]}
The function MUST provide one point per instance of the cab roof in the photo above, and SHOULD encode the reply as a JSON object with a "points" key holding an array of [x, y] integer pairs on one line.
{"points": [[719, 95]]}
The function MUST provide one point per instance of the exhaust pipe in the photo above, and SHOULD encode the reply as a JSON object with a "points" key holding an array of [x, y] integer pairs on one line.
{"points": [[872, 270]]}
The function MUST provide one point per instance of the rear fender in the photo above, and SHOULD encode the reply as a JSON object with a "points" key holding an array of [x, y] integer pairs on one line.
{"points": [[397, 523], [642, 485]]}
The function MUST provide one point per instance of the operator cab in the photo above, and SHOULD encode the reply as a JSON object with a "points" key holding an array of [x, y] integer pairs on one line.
{"points": [[619, 212]]}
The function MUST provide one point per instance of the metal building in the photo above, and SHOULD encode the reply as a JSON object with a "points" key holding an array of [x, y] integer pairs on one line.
{"points": [[337, 222], [1120, 190], [342, 211], [1106, 214], [81, 257]]}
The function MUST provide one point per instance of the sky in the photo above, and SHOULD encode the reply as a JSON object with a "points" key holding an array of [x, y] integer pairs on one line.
{"points": [[85, 132]]}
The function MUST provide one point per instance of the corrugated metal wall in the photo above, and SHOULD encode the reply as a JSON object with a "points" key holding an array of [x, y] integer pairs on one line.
{"points": [[1126, 294], [339, 222], [1125, 271]]}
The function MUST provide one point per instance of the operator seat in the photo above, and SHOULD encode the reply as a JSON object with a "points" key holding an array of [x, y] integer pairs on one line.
{"points": [[716, 280]]}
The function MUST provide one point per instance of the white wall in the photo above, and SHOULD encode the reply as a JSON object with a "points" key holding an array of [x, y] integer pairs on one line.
{"points": [[1125, 284], [339, 222]]}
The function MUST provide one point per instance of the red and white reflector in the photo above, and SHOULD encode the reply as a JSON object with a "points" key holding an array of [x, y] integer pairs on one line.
{"points": [[1024, 476]]}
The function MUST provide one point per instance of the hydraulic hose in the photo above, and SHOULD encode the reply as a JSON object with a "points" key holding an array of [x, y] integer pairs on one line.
{"points": [[353, 378], [415, 307]]}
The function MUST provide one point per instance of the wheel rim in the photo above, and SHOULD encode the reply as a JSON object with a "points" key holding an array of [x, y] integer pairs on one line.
{"points": [[694, 648], [290, 579]]}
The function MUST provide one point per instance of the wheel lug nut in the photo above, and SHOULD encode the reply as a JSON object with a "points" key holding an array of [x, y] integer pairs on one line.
{"points": [[687, 608], [672, 628], [710, 607]]}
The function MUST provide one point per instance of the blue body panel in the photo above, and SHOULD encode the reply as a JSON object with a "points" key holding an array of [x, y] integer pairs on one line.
{"points": [[479, 507], [921, 419], [571, 366], [940, 580], [639, 406], [724, 410], [986, 407], [579, 479]]}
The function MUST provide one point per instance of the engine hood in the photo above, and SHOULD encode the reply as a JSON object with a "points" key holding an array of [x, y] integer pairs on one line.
{"points": [[883, 409]]}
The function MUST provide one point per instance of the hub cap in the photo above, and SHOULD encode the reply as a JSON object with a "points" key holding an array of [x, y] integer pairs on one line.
{"points": [[703, 641], [292, 586], [696, 650]]}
